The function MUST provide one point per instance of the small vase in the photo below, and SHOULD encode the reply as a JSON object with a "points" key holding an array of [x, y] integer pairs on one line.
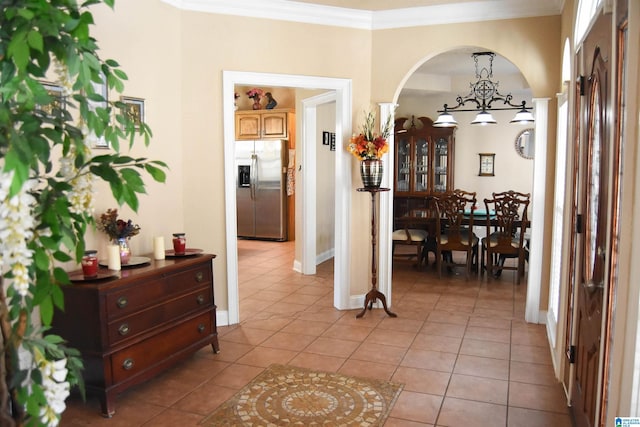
{"points": [[256, 104], [371, 173], [125, 250]]}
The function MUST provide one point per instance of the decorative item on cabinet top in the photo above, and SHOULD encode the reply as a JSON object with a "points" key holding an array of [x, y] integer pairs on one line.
{"points": [[265, 124]]}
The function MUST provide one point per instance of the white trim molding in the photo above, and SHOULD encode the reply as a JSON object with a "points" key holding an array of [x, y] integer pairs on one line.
{"points": [[310, 13]]}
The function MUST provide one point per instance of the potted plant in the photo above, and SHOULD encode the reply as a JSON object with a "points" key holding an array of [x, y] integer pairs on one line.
{"points": [[47, 172]]}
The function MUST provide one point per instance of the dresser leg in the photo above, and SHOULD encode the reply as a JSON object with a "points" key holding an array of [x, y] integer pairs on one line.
{"points": [[108, 405], [215, 346]]}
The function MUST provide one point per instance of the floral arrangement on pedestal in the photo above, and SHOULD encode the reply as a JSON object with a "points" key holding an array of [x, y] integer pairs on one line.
{"points": [[369, 147], [256, 94]]}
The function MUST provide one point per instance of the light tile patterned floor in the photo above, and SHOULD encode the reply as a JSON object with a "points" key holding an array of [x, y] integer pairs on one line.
{"points": [[462, 349]]}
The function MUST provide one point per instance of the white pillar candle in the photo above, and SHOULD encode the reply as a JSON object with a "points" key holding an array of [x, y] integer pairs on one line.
{"points": [[113, 257], [158, 247]]}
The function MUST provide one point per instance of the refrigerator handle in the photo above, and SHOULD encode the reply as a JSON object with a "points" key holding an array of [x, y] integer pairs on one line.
{"points": [[254, 175]]}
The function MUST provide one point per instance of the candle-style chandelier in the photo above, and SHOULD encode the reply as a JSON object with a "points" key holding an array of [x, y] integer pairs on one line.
{"points": [[484, 92]]}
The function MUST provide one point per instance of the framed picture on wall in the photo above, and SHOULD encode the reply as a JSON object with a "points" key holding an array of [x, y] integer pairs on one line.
{"points": [[325, 138], [102, 90], [133, 109], [56, 107], [487, 163]]}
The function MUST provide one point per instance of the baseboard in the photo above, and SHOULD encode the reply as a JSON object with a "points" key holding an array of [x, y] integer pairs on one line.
{"points": [[324, 256]]}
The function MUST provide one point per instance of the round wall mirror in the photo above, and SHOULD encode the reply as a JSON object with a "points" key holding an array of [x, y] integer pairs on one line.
{"points": [[525, 143]]}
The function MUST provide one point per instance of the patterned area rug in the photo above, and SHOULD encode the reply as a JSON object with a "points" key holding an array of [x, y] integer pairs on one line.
{"points": [[292, 396]]}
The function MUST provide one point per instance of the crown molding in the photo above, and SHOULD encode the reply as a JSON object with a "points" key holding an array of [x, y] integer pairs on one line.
{"points": [[282, 10], [288, 10]]}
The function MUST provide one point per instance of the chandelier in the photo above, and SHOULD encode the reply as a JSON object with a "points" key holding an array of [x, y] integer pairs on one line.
{"points": [[484, 92]]}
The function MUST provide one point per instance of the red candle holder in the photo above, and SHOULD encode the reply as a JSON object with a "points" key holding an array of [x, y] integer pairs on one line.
{"points": [[90, 263], [179, 243]]}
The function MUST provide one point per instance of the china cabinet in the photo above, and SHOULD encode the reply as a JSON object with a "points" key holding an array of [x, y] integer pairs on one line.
{"points": [[424, 162]]}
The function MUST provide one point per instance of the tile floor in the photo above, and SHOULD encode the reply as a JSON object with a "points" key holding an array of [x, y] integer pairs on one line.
{"points": [[462, 350]]}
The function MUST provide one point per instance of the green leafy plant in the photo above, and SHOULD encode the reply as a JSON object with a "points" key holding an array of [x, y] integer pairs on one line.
{"points": [[47, 173]]}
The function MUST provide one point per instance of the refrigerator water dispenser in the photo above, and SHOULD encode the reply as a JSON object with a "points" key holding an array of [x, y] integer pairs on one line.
{"points": [[244, 176]]}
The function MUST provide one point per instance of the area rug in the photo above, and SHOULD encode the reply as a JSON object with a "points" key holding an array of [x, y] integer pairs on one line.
{"points": [[292, 396]]}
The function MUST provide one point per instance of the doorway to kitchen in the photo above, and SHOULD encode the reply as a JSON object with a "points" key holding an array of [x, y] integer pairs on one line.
{"points": [[342, 195]]}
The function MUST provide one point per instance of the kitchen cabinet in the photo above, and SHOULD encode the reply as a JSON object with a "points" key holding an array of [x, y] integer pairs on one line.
{"points": [[133, 325], [260, 124]]}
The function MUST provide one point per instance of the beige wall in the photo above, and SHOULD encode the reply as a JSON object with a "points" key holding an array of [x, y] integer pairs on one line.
{"points": [[325, 181], [175, 61]]}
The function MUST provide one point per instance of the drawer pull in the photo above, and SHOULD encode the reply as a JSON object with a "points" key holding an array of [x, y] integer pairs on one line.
{"points": [[200, 299], [122, 302], [123, 329], [127, 364], [201, 328], [199, 276]]}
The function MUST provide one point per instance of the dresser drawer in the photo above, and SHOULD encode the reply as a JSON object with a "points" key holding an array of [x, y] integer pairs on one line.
{"points": [[157, 315], [136, 297], [145, 354]]}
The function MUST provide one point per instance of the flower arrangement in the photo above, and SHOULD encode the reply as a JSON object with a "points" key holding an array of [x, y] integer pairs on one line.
{"points": [[117, 228], [368, 144], [255, 94]]}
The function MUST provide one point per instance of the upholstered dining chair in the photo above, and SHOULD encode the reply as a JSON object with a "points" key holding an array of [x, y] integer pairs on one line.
{"points": [[454, 230], [505, 232], [409, 232]]}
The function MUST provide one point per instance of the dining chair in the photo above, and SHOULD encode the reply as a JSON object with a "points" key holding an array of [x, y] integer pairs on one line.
{"points": [[409, 232], [505, 233], [454, 230]]}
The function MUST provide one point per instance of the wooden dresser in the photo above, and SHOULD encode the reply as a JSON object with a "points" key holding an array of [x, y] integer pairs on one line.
{"points": [[133, 326]]}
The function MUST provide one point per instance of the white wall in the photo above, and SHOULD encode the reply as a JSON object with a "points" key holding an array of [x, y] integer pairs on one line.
{"points": [[325, 182]]}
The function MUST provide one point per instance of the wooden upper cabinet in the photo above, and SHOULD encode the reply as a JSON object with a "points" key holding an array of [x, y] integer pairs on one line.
{"points": [[424, 157], [258, 124]]}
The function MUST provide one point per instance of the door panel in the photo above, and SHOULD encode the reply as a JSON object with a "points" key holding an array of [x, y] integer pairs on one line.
{"points": [[591, 240], [270, 202], [245, 212]]}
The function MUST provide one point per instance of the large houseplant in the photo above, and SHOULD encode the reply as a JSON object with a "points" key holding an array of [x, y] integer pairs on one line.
{"points": [[47, 172]]}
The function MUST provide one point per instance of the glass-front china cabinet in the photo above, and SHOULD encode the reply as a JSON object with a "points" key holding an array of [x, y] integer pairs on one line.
{"points": [[424, 159]]}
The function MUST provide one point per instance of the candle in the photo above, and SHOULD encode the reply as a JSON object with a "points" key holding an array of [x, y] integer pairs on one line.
{"points": [[158, 247], [113, 257]]}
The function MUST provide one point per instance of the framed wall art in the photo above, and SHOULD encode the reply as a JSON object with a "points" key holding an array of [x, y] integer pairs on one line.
{"points": [[487, 163], [100, 89], [133, 109], [56, 107]]}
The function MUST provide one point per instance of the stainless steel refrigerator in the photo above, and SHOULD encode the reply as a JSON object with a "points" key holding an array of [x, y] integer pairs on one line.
{"points": [[260, 189]]}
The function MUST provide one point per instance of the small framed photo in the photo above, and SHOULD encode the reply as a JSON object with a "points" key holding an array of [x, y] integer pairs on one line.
{"points": [[134, 109], [325, 138], [56, 107], [487, 164], [100, 89], [332, 141]]}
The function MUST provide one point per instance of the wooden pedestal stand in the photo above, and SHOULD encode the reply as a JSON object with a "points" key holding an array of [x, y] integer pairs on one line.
{"points": [[374, 294]]}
